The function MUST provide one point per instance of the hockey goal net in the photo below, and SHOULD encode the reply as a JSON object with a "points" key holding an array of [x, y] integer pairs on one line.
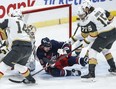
{"points": [[50, 16]]}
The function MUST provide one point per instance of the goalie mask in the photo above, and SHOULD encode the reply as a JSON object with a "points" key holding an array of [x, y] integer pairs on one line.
{"points": [[46, 42]]}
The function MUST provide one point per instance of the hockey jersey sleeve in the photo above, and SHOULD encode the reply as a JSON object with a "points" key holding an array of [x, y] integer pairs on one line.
{"points": [[109, 15]]}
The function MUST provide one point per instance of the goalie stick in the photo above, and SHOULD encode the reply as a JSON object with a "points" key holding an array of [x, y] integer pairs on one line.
{"points": [[22, 81]]}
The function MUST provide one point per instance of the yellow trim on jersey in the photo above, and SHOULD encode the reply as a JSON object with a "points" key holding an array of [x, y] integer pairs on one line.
{"points": [[110, 17], [84, 35], [73, 39], [93, 34], [1, 75], [3, 34]]}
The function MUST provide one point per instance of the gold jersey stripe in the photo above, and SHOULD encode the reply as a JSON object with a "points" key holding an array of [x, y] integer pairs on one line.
{"points": [[1, 75]]}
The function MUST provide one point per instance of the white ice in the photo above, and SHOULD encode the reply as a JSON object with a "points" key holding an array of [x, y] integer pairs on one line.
{"points": [[104, 80]]}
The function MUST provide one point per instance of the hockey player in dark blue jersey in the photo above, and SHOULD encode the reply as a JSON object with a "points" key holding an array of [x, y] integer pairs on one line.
{"points": [[47, 53]]}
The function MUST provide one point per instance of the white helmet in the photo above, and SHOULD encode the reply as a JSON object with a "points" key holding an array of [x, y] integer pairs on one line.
{"points": [[81, 13], [16, 13], [86, 4]]}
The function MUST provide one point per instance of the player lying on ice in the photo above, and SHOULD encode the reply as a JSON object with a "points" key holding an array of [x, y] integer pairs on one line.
{"points": [[48, 54]]}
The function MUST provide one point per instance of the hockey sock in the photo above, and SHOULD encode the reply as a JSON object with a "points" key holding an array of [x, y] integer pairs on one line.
{"points": [[110, 60], [22, 69], [3, 68]]}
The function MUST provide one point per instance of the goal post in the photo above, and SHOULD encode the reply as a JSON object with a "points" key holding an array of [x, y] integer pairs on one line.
{"points": [[49, 15]]}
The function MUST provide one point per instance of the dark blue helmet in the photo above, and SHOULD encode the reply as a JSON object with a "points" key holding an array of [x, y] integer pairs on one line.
{"points": [[46, 42]]}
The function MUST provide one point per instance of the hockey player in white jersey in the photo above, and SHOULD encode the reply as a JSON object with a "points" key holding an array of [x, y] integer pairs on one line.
{"points": [[100, 34], [4, 47], [21, 46]]}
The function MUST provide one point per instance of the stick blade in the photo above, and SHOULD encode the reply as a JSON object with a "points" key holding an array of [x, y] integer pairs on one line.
{"points": [[15, 81]]}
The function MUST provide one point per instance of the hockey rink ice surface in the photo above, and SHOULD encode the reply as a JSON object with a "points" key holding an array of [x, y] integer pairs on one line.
{"points": [[104, 80]]}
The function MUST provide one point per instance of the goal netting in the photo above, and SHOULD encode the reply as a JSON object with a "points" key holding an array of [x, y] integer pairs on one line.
{"points": [[58, 18]]}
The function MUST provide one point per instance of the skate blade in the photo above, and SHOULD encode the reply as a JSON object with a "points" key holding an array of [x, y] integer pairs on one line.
{"points": [[113, 73], [88, 80]]}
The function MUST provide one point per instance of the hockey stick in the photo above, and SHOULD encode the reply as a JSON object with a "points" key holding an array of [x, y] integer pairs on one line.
{"points": [[15, 81], [23, 81], [76, 30]]}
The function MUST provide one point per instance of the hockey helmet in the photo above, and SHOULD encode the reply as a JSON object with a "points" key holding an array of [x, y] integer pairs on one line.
{"points": [[16, 13], [46, 42], [81, 13], [86, 5]]}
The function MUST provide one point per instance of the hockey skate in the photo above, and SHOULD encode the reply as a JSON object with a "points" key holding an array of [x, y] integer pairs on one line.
{"points": [[91, 73], [112, 71], [29, 80], [90, 77]]}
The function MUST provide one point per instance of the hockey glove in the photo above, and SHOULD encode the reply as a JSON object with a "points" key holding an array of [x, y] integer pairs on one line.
{"points": [[66, 50], [71, 40], [83, 61]]}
